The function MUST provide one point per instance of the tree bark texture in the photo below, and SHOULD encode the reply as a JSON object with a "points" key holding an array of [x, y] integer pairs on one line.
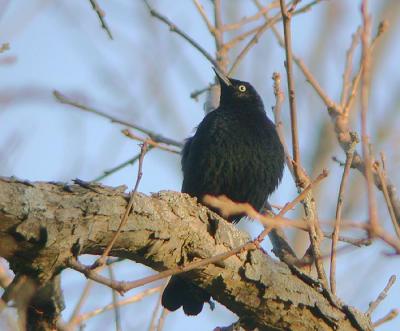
{"points": [[44, 224]]}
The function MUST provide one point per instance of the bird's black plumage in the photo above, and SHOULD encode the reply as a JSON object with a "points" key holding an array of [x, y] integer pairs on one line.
{"points": [[236, 152]]}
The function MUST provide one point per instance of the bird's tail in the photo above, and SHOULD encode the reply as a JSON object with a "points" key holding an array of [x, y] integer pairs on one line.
{"points": [[180, 293]]}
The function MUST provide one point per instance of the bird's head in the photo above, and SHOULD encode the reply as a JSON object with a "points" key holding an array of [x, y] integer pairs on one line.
{"points": [[237, 94]]}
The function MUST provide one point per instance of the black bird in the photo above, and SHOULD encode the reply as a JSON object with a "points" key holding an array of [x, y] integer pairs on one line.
{"points": [[235, 151]]}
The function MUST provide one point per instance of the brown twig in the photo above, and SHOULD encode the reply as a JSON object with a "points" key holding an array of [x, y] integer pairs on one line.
{"points": [[120, 166], [154, 315], [101, 14], [374, 304], [161, 320], [349, 67], [155, 136], [390, 316], [122, 287], [301, 178], [249, 19], [356, 80], [135, 298], [79, 305], [149, 141], [227, 208], [281, 247], [203, 14], [174, 28], [253, 41], [382, 176], [365, 85], [117, 313], [279, 98], [335, 233], [101, 260], [286, 15]]}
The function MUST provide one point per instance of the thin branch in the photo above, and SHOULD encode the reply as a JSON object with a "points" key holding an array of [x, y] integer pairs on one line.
{"points": [[117, 312], [120, 166], [356, 80], [155, 136], [161, 320], [281, 247], [349, 67], [301, 178], [127, 301], [101, 14], [174, 28], [279, 97], [122, 286], [390, 316], [79, 304], [365, 85], [336, 230], [228, 207], [203, 14], [374, 304], [255, 17], [150, 142], [101, 260], [253, 41], [382, 176], [152, 325]]}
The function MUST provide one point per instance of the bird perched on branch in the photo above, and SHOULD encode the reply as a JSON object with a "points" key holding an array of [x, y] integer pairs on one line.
{"points": [[235, 152]]}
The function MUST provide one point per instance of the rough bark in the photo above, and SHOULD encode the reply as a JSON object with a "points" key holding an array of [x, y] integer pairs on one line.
{"points": [[42, 224]]}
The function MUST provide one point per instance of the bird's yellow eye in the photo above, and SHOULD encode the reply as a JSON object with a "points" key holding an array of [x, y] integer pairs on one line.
{"points": [[242, 88]]}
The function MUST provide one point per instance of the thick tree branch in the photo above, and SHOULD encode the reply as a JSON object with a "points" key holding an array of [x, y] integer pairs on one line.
{"points": [[41, 224]]}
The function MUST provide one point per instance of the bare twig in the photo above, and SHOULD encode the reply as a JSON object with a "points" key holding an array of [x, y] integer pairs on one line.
{"points": [[374, 304], [180, 32], [291, 90], [100, 261], [117, 313], [253, 41], [356, 80], [135, 298], [255, 17], [149, 141], [365, 85], [382, 176], [390, 316], [203, 14], [349, 67], [155, 136], [122, 287], [101, 14], [270, 222], [152, 325], [281, 247], [109, 172], [279, 97], [79, 305], [161, 320], [335, 234]]}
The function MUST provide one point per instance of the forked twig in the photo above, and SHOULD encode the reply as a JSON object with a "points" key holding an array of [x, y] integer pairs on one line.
{"points": [[101, 260], [336, 230], [374, 304]]}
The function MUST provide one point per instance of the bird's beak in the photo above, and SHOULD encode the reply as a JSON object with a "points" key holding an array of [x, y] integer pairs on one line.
{"points": [[223, 79]]}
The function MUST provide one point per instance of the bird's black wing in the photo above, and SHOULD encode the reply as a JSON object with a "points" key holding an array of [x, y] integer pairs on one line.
{"points": [[185, 152]]}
